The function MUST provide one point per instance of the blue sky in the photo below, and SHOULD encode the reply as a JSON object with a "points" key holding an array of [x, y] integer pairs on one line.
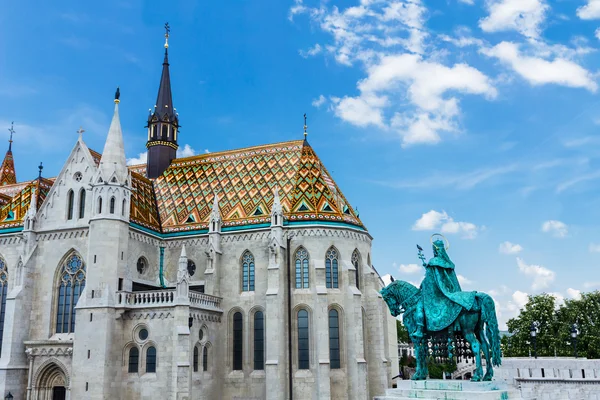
{"points": [[476, 118]]}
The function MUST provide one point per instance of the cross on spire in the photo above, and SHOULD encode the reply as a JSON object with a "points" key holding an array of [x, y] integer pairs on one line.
{"points": [[41, 167], [305, 126], [11, 130], [80, 131]]}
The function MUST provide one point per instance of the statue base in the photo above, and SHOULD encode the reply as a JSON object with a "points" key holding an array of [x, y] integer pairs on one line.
{"points": [[451, 390]]}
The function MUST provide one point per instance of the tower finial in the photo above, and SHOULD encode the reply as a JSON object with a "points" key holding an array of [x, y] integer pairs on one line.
{"points": [[80, 131], [167, 31], [117, 95], [11, 130], [305, 126], [41, 167]]}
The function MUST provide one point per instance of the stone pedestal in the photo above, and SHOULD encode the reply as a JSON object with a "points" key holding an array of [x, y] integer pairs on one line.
{"points": [[451, 390]]}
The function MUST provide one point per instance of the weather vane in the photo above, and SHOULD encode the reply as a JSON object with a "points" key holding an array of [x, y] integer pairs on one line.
{"points": [[167, 31], [305, 125]]}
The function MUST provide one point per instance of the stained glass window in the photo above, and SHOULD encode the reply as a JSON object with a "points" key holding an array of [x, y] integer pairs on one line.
{"points": [[195, 359], [205, 359], [303, 344], [237, 341], [247, 272], [151, 359], [259, 341], [334, 339], [134, 359], [331, 268], [3, 293], [70, 201], [301, 258], [356, 263], [70, 285], [82, 203], [112, 205]]}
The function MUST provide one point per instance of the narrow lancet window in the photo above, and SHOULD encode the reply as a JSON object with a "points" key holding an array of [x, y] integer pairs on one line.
{"points": [[334, 339], [259, 341], [81, 203], [303, 344], [331, 268], [70, 201], [237, 341], [134, 359], [247, 272], [302, 262]]}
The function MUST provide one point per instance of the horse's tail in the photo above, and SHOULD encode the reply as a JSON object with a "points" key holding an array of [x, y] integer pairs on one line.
{"points": [[488, 311]]}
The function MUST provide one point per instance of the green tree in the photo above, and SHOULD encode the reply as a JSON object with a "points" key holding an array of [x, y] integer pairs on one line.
{"points": [[402, 332], [541, 309], [585, 313]]}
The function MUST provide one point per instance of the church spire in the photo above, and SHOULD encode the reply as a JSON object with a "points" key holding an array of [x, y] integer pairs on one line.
{"points": [[163, 122], [7, 169], [113, 161]]}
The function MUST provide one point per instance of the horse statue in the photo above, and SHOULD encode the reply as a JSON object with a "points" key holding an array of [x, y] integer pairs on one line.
{"points": [[439, 306]]}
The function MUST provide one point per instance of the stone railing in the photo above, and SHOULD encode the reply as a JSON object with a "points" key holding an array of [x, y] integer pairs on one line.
{"points": [[204, 301], [166, 298], [153, 298]]}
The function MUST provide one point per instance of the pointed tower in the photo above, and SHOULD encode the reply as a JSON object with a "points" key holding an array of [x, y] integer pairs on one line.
{"points": [[108, 242], [163, 123], [7, 169]]}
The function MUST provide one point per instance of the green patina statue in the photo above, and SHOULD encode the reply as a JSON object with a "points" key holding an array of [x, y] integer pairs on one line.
{"points": [[440, 306]]}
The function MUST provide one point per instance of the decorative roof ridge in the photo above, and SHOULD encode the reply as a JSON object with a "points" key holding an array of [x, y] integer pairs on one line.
{"points": [[240, 150], [137, 175], [134, 166]]}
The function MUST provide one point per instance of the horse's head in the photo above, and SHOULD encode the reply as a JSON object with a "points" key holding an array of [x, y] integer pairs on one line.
{"points": [[396, 296]]}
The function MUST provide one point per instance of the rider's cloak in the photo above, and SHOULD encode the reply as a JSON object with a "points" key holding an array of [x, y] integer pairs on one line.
{"points": [[443, 299]]}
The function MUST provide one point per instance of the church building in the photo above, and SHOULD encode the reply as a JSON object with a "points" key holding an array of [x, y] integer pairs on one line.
{"points": [[241, 274]]}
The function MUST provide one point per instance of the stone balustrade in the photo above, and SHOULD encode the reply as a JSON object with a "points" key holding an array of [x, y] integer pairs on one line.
{"points": [[166, 298]]}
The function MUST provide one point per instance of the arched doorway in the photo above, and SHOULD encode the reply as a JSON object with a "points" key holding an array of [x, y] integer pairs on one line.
{"points": [[52, 383]]}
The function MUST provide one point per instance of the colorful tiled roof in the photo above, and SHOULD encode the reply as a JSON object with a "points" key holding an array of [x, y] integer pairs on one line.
{"points": [[143, 209], [7, 170], [245, 180], [12, 213]]}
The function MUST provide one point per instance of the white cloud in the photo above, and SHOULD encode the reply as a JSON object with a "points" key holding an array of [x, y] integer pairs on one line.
{"points": [[538, 71], [590, 285], [186, 151], [510, 248], [410, 269], [574, 293], [542, 277], [589, 11], [559, 299], [388, 40], [313, 51], [520, 299], [594, 248], [319, 101], [523, 16], [142, 158], [556, 228], [433, 220], [463, 281], [469, 2]]}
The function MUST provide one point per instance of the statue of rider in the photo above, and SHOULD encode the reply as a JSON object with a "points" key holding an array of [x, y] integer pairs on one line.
{"points": [[441, 296]]}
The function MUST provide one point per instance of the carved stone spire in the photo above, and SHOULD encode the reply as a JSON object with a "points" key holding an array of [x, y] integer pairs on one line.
{"points": [[183, 276], [113, 161], [277, 210], [215, 216]]}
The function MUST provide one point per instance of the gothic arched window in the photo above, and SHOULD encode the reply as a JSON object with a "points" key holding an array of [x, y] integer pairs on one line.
{"points": [[3, 293], [123, 207], [303, 344], [238, 325], [71, 281], [334, 339], [81, 203], [259, 340], [70, 201], [151, 359], [301, 258], [195, 363], [205, 358], [356, 264], [112, 205], [99, 205], [331, 268], [247, 272], [134, 359]]}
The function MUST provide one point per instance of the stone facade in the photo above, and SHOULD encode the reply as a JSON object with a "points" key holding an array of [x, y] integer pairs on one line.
{"points": [[122, 307]]}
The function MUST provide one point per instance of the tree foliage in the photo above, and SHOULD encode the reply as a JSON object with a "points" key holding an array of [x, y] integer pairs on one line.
{"points": [[554, 332], [402, 332]]}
